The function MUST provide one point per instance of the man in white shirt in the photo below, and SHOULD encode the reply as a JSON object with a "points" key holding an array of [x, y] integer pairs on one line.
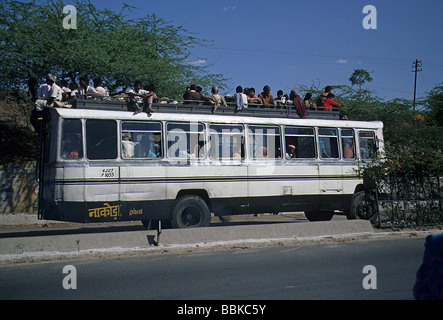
{"points": [[54, 94], [43, 91], [85, 89], [98, 87], [241, 99], [138, 96]]}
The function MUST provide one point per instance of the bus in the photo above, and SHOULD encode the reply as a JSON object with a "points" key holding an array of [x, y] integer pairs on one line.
{"points": [[183, 164]]}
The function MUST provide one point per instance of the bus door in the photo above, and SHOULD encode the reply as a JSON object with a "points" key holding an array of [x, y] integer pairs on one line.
{"points": [[102, 175], [227, 183], [142, 174], [302, 190], [267, 178], [330, 169]]}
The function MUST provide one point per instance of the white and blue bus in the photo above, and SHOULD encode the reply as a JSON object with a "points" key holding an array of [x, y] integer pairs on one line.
{"points": [[183, 164]]}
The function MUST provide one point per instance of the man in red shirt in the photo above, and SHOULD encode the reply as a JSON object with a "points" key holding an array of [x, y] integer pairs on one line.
{"points": [[329, 102]]}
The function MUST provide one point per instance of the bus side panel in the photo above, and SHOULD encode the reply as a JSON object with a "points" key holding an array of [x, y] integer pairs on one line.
{"points": [[143, 191], [273, 187]]}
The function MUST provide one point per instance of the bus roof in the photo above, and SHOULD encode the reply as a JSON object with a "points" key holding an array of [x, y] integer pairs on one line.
{"points": [[231, 118]]}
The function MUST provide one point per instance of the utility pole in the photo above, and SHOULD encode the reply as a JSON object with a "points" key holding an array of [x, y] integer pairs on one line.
{"points": [[415, 65]]}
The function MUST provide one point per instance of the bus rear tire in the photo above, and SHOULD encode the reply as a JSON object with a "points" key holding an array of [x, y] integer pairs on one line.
{"points": [[363, 208], [319, 215], [190, 211]]}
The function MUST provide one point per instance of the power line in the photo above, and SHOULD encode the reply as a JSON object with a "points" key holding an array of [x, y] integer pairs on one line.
{"points": [[416, 65]]}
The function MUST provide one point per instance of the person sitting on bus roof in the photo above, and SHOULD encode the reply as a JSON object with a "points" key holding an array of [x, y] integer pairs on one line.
{"points": [[252, 98], [329, 102], [193, 95], [300, 108], [308, 102], [68, 98], [43, 91], [280, 100], [139, 96], [322, 98], [266, 97], [55, 94], [85, 89], [216, 99], [150, 98], [98, 87], [241, 100]]}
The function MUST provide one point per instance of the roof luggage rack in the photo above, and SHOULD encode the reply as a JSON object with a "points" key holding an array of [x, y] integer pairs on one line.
{"points": [[202, 107]]}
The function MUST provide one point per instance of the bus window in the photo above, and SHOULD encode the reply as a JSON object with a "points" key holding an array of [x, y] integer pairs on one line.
{"points": [[101, 139], [368, 147], [328, 143], [264, 142], [300, 143], [72, 142], [347, 143], [186, 140], [226, 141], [141, 140]]}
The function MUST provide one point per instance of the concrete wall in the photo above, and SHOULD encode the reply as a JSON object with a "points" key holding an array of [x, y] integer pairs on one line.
{"points": [[18, 189]]}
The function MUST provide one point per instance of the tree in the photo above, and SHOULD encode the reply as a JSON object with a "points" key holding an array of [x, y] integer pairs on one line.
{"points": [[434, 103], [108, 44], [360, 77]]}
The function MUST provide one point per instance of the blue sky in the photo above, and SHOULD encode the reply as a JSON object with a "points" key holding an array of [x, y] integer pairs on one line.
{"points": [[285, 43]]}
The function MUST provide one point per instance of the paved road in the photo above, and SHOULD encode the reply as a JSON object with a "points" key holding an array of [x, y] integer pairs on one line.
{"points": [[327, 271]]}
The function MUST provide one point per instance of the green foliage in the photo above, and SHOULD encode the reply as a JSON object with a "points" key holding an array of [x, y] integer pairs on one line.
{"points": [[105, 44], [413, 140]]}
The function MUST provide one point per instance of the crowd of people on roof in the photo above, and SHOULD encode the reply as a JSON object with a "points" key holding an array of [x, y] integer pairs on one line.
{"points": [[140, 98]]}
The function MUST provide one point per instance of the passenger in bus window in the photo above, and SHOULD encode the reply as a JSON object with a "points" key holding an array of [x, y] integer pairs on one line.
{"points": [[149, 146], [72, 148], [325, 149], [266, 97], [128, 145], [347, 151], [290, 152]]}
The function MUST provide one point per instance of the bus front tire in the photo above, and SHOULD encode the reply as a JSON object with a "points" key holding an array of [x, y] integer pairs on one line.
{"points": [[190, 211], [363, 207]]}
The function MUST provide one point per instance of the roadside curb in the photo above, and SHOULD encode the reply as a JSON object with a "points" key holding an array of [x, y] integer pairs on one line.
{"points": [[175, 241]]}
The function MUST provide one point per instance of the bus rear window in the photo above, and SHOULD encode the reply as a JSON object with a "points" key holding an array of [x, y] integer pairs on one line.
{"points": [[101, 139], [368, 147], [71, 144], [348, 145]]}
